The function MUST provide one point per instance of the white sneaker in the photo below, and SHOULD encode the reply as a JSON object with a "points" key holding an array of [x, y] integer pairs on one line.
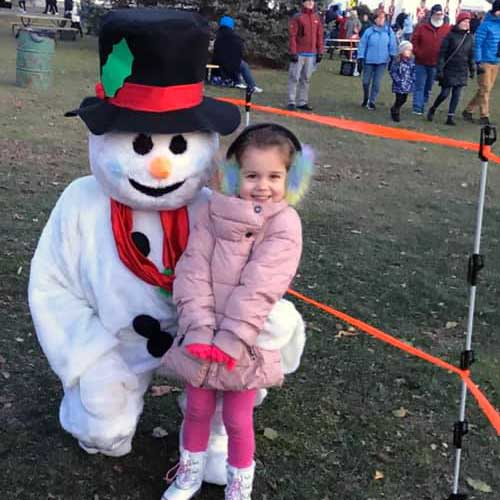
{"points": [[240, 86], [258, 89]]}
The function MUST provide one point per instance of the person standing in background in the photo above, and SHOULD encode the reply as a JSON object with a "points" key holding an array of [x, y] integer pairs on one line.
{"points": [[426, 40], [353, 25], [487, 57], [475, 22], [365, 23], [376, 48], [422, 12], [456, 64], [408, 27], [305, 45]]}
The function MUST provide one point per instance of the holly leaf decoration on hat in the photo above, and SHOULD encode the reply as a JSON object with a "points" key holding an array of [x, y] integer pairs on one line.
{"points": [[117, 68]]}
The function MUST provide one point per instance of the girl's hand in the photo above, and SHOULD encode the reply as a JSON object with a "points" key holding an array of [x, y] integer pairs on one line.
{"points": [[219, 356]]}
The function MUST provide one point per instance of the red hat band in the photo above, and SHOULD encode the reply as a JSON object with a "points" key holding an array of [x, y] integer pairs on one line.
{"points": [[154, 99]]}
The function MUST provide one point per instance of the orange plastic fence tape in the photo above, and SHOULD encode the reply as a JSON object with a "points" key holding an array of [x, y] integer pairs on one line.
{"points": [[487, 408], [399, 134]]}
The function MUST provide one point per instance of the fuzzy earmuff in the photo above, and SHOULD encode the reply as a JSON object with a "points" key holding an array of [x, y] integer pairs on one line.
{"points": [[298, 176]]}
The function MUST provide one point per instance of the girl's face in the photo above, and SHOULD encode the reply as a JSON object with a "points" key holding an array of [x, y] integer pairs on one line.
{"points": [[263, 175], [407, 53]]}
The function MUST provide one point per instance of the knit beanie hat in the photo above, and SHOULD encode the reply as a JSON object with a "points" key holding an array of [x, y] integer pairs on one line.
{"points": [[462, 16], [226, 21], [496, 6], [405, 45], [437, 8]]}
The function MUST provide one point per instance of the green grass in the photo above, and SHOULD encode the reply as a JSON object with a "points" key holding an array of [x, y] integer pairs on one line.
{"points": [[388, 227]]}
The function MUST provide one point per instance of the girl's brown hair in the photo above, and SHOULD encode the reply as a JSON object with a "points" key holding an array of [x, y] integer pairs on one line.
{"points": [[264, 138]]}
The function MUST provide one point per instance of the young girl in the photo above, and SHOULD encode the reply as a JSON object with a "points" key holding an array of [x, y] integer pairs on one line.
{"points": [[403, 78], [242, 254]]}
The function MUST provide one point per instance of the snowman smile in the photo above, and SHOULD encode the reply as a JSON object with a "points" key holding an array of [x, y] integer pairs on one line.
{"points": [[150, 191]]}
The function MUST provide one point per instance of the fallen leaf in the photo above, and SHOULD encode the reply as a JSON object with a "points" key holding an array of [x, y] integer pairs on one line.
{"points": [[161, 390], [451, 324], [6, 375], [19, 270], [270, 433], [479, 485], [400, 413], [378, 475], [345, 333], [159, 432]]}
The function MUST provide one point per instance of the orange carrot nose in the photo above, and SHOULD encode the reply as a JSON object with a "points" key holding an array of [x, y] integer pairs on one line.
{"points": [[160, 167]]}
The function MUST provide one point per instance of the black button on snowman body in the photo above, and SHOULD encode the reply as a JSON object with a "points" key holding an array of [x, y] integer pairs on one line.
{"points": [[159, 342]]}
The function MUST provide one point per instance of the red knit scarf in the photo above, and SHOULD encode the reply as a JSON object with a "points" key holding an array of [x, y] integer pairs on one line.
{"points": [[175, 225]]}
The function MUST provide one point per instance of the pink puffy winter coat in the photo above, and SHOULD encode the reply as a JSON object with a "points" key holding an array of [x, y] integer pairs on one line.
{"points": [[239, 261]]}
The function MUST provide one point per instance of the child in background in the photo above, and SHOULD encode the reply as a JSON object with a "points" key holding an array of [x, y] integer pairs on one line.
{"points": [[242, 254], [403, 78]]}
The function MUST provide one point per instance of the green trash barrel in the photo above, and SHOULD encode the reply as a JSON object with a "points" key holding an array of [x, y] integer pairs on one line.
{"points": [[34, 59]]}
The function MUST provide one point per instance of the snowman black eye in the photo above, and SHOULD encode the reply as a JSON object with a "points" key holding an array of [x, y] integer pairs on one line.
{"points": [[178, 145], [143, 144]]}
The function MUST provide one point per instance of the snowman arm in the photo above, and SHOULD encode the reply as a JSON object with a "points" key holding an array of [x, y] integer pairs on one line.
{"points": [[193, 293], [68, 328]]}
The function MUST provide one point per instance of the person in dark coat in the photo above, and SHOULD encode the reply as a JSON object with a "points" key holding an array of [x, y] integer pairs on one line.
{"points": [[228, 54], [400, 19], [475, 22], [455, 66], [68, 7]]}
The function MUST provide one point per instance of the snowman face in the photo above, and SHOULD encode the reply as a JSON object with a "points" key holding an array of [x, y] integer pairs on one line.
{"points": [[152, 172]]}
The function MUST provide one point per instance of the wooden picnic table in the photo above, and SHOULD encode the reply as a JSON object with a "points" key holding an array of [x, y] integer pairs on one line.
{"points": [[334, 42], [344, 45], [47, 22]]}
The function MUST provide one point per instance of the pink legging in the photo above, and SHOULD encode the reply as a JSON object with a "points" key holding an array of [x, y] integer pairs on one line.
{"points": [[237, 414]]}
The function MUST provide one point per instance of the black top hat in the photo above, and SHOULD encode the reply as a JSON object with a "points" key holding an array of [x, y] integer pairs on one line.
{"points": [[152, 64]]}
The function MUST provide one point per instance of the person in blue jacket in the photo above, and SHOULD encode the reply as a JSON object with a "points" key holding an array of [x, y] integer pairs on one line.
{"points": [[377, 47], [487, 58]]}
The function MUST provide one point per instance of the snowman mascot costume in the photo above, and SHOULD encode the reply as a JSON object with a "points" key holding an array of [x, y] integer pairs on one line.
{"points": [[101, 277]]}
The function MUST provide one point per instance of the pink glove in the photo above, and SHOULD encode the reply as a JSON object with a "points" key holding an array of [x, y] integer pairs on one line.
{"points": [[211, 353], [219, 356], [201, 351]]}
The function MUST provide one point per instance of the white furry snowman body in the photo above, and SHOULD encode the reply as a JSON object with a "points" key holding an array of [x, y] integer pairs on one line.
{"points": [[84, 300]]}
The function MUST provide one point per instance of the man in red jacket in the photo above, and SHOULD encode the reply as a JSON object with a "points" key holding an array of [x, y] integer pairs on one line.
{"points": [[426, 42], [305, 45]]}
